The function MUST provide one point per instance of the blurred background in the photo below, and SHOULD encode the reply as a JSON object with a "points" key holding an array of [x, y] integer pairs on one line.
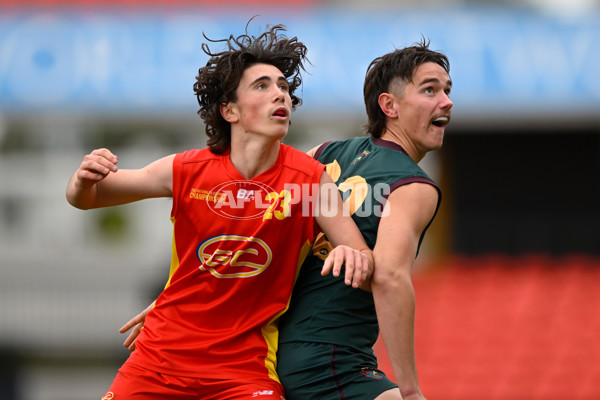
{"points": [[507, 299]]}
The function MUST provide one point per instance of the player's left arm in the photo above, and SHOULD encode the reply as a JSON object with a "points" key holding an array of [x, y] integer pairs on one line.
{"points": [[408, 211], [350, 249]]}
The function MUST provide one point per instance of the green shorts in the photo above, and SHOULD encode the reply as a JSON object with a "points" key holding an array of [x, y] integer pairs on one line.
{"points": [[328, 372]]}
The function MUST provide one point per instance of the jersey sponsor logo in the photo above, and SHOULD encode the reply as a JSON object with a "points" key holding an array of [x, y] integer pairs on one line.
{"points": [[233, 256], [371, 373], [242, 200]]}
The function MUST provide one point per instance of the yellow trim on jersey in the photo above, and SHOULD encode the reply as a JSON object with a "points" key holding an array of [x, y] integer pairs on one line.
{"points": [[271, 330], [174, 256]]}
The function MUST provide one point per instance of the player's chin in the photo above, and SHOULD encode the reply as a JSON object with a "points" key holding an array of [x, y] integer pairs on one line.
{"points": [[435, 142], [281, 133], [438, 137]]}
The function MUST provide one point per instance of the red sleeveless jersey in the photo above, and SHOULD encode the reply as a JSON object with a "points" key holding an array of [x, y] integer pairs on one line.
{"points": [[238, 245]]}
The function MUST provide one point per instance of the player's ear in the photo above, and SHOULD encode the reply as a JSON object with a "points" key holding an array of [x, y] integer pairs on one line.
{"points": [[387, 103], [229, 112]]}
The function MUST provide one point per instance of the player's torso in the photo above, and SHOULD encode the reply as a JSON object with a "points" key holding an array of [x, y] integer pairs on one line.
{"points": [[323, 308], [236, 248]]}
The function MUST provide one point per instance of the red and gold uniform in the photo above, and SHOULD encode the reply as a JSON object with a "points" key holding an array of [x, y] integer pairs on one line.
{"points": [[237, 248]]}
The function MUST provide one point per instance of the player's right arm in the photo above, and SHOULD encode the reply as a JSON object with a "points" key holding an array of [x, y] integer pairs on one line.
{"points": [[408, 211], [350, 249], [99, 183], [364, 281]]}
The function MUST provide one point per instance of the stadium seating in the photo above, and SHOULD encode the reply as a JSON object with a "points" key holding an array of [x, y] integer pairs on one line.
{"points": [[507, 328]]}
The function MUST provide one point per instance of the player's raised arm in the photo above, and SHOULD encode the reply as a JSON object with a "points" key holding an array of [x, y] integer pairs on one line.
{"points": [[98, 182], [350, 249]]}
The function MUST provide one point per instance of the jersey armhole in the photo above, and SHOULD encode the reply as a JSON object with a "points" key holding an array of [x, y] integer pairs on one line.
{"points": [[320, 150], [315, 229], [420, 179], [177, 168]]}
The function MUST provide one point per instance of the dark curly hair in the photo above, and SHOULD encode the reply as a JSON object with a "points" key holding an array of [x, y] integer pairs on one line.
{"points": [[217, 82], [385, 71]]}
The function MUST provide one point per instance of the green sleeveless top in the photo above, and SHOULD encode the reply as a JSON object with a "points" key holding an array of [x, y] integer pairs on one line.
{"points": [[323, 309]]}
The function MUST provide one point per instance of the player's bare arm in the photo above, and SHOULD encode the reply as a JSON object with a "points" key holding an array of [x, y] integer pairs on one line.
{"points": [[411, 208], [366, 284], [98, 182], [350, 249]]}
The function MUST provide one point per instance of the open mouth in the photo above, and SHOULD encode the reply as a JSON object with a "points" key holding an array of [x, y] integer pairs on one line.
{"points": [[280, 113], [441, 121]]}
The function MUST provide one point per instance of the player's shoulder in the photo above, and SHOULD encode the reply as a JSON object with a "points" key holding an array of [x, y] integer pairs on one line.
{"points": [[293, 157], [197, 155], [342, 146], [358, 141], [419, 188]]}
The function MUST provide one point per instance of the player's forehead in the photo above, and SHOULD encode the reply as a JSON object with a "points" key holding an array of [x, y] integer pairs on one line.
{"points": [[261, 71], [431, 72]]}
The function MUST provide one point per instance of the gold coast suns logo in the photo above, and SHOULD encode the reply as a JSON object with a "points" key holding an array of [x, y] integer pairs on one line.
{"points": [[233, 256]]}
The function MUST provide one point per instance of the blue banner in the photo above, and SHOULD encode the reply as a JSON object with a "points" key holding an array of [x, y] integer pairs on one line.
{"points": [[501, 60]]}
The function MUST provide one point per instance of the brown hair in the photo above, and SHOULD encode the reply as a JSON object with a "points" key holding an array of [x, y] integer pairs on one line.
{"points": [[217, 82], [384, 73]]}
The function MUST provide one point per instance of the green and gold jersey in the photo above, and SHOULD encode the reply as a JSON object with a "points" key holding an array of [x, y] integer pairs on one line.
{"points": [[323, 309]]}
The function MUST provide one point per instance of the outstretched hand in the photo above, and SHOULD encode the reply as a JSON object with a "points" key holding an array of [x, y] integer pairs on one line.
{"points": [[358, 266], [137, 323]]}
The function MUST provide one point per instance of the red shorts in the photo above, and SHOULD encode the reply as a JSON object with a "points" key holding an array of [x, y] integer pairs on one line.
{"points": [[136, 383]]}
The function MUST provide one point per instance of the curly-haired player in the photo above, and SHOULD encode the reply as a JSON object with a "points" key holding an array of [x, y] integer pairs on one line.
{"points": [[218, 81], [239, 234]]}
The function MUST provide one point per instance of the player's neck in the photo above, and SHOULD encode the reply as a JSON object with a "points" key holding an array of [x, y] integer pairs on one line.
{"points": [[252, 158], [396, 136]]}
